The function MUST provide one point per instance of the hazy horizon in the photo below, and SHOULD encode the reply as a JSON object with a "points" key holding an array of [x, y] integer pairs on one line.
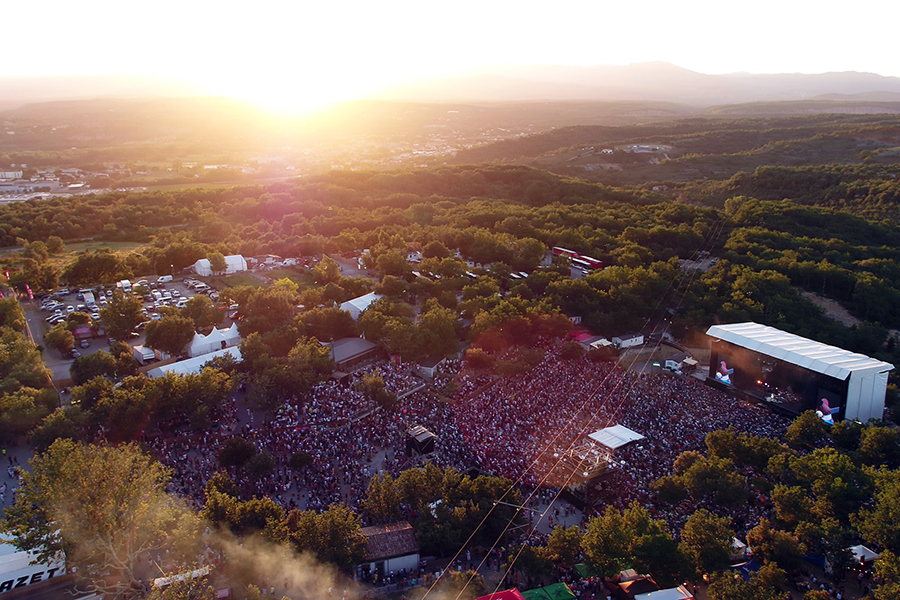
{"points": [[308, 55]]}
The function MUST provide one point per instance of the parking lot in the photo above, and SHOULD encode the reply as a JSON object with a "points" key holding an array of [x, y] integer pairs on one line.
{"points": [[38, 325]]}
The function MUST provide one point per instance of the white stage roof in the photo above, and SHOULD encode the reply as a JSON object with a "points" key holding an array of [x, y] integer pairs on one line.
{"points": [[809, 354], [615, 436], [863, 554]]}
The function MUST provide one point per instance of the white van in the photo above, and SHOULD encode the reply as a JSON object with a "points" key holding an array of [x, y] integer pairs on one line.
{"points": [[164, 279]]}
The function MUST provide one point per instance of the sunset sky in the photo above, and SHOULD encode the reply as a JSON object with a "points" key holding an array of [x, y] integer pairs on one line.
{"points": [[309, 53]]}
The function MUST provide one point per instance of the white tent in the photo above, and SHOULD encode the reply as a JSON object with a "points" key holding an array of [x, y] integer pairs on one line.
{"points": [[218, 339], [193, 365], [234, 263], [356, 305], [866, 377], [202, 268], [615, 437], [861, 554]]}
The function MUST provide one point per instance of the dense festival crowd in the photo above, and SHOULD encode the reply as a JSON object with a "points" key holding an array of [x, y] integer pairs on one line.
{"points": [[516, 426]]}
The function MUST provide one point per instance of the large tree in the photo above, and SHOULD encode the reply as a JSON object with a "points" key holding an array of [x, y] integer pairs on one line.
{"points": [[122, 315], [107, 509], [332, 536], [617, 539], [707, 541], [201, 310], [11, 314], [96, 364], [266, 310], [60, 339], [23, 410], [329, 323], [217, 263], [171, 334], [437, 331]]}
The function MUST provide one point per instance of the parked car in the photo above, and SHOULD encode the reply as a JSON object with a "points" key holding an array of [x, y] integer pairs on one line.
{"points": [[85, 344], [74, 353]]}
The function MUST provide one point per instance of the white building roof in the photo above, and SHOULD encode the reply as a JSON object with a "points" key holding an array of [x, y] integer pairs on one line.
{"points": [[615, 436], [809, 354], [193, 365]]}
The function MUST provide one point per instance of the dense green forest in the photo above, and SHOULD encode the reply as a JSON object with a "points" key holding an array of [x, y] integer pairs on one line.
{"points": [[770, 249]]}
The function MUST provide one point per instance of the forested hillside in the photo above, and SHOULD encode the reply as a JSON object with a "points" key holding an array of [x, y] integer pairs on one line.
{"points": [[697, 150], [770, 250]]}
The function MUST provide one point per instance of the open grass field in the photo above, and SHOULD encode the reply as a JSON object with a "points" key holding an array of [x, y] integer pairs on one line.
{"points": [[236, 280], [77, 247], [299, 276]]}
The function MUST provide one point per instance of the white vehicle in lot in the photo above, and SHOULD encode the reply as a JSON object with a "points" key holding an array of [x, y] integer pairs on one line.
{"points": [[70, 309]]}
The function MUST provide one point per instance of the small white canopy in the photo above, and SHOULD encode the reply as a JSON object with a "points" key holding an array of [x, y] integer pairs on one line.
{"points": [[615, 437], [863, 554]]}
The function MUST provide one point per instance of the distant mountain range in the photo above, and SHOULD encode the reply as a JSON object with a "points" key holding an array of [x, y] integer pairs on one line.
{"points": [[655, 81], [17, 91]]}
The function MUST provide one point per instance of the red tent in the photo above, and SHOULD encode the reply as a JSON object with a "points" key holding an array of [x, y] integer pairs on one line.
{"points": [[512, 594]]}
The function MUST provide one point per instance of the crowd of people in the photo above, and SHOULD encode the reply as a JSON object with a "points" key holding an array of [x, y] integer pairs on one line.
{"points": [[522, 427], [515, 426]]}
